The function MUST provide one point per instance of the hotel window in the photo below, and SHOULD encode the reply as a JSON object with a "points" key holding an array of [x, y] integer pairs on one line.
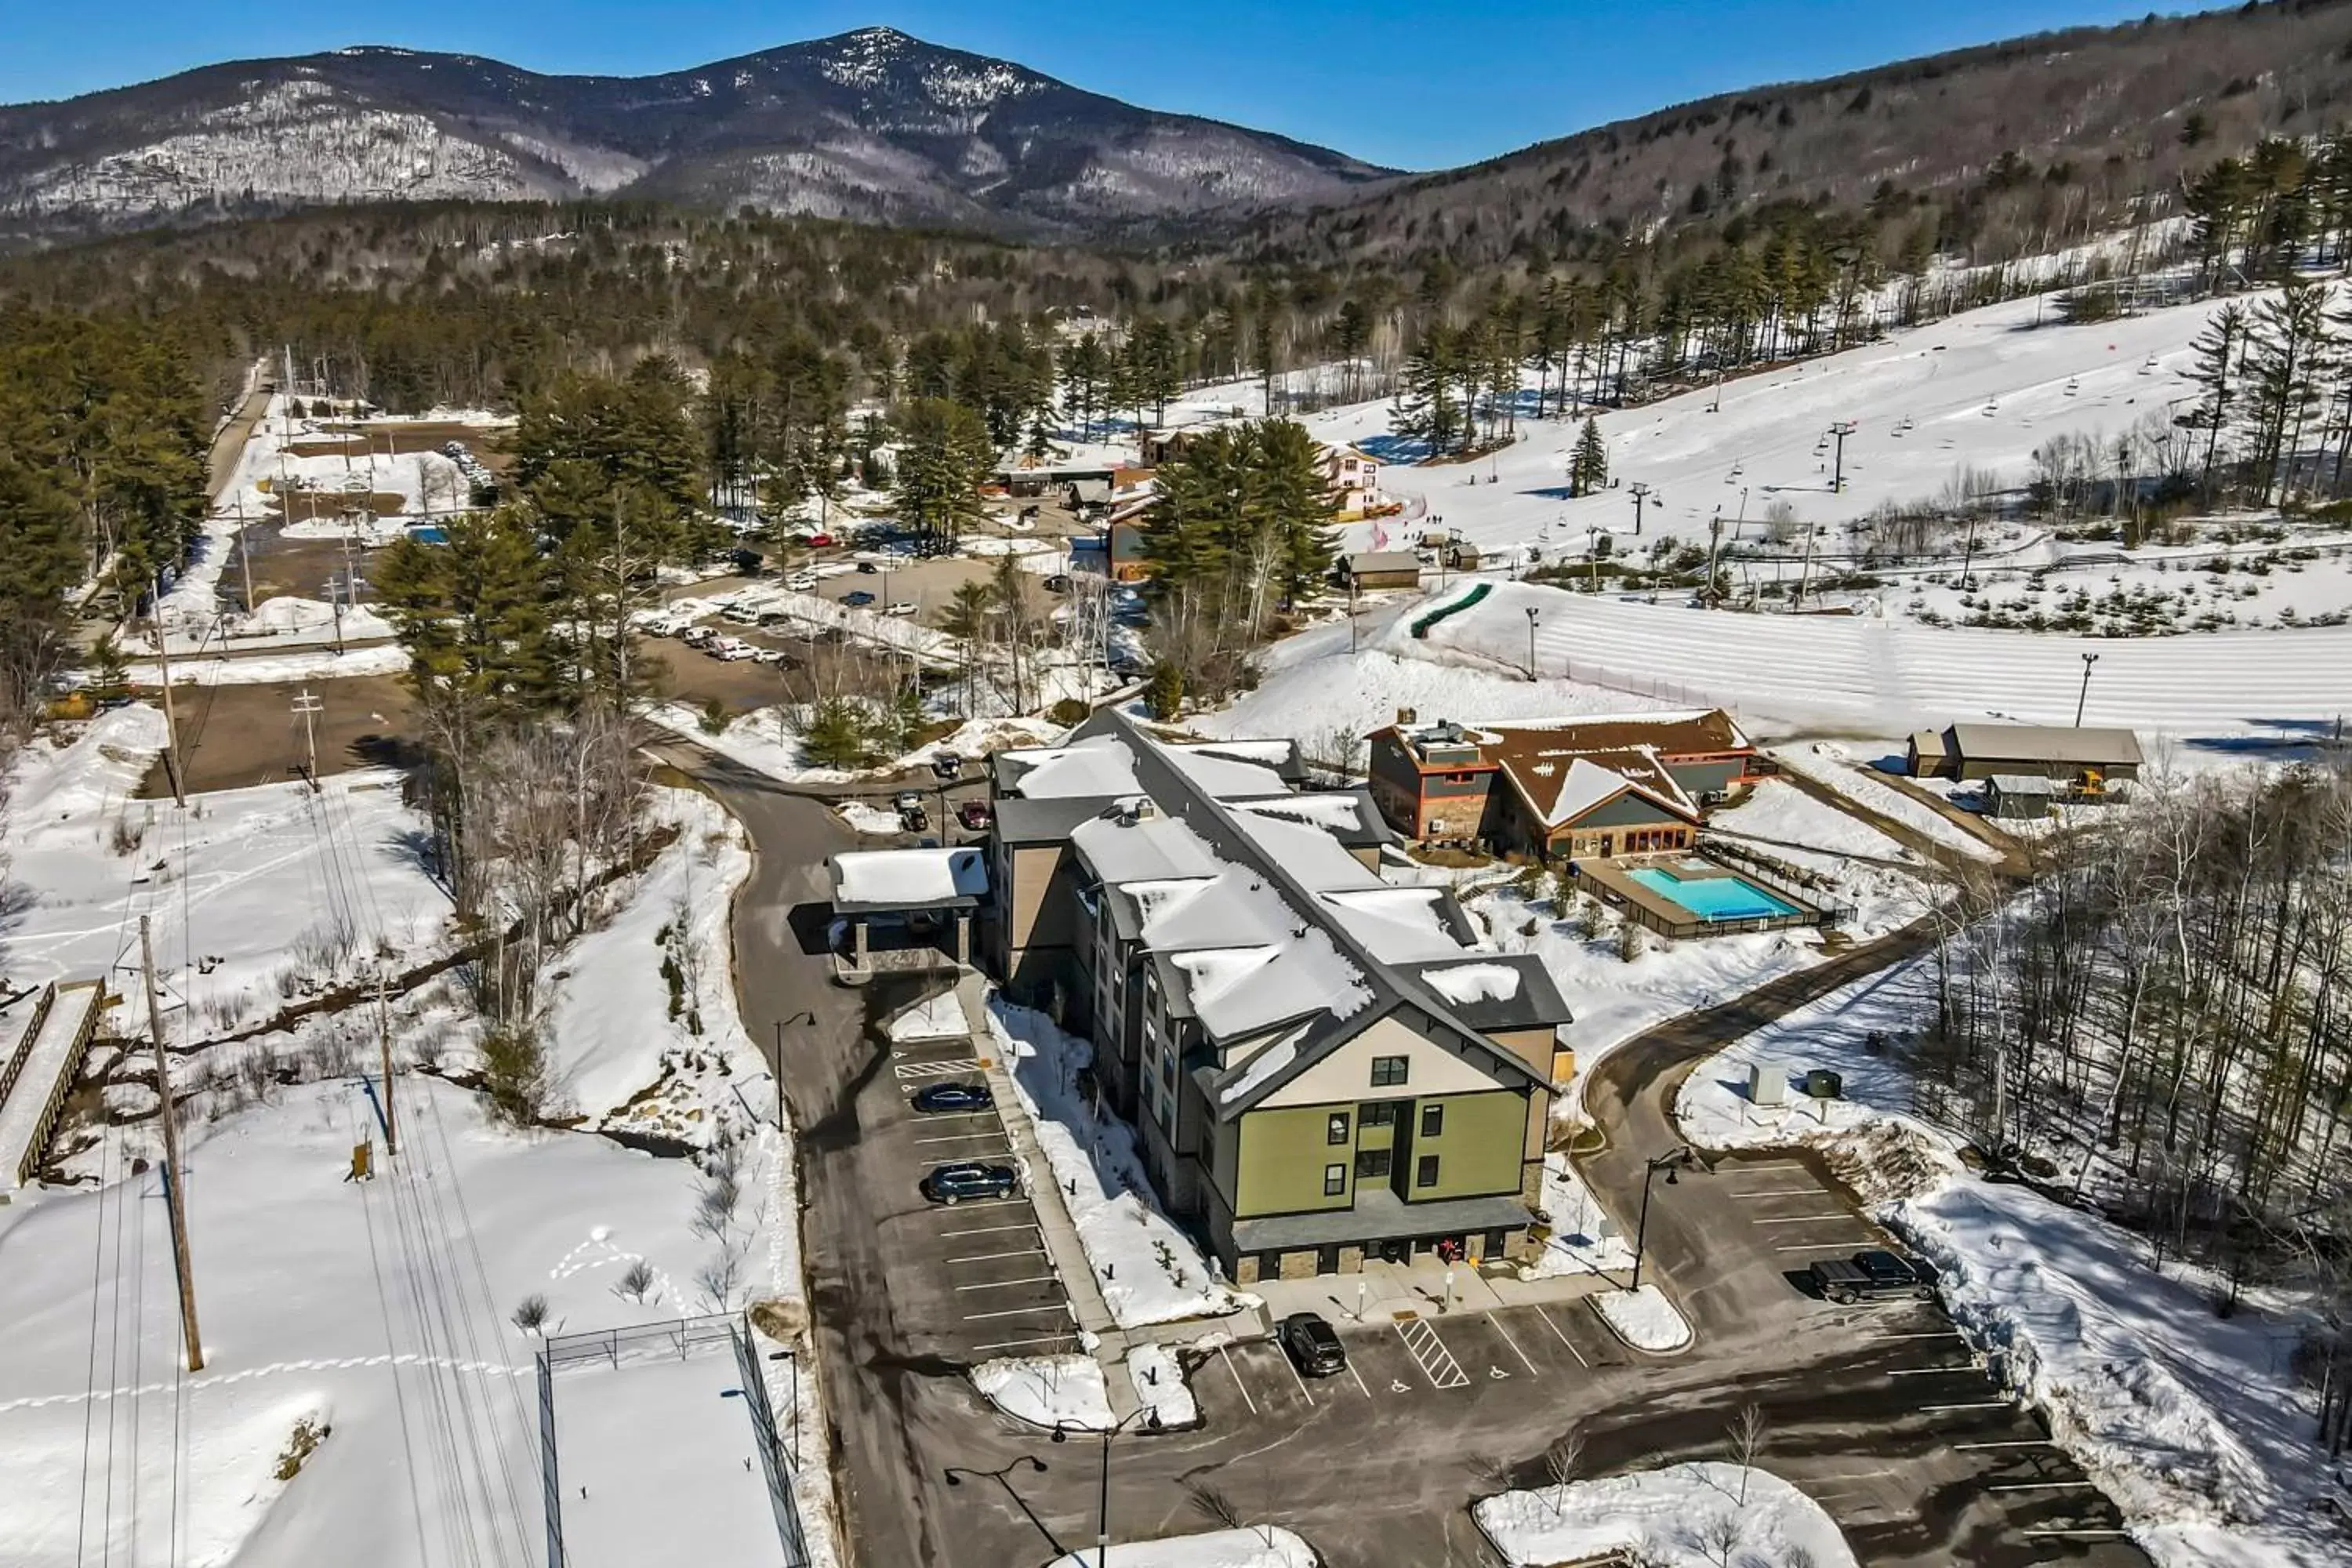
{"points": [[1425, 1171], [1335, 1181], [1388, 1071], [1372, 1166], [1433, 1120], [1335, 1130], [1377, 1113]]}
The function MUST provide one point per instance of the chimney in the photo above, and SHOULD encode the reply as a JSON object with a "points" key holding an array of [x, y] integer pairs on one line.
{"points": [[1406, 715]]}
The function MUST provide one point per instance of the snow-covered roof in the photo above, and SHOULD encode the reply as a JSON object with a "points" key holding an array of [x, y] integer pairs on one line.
{"points": [[1099, 765], [881, 880]]}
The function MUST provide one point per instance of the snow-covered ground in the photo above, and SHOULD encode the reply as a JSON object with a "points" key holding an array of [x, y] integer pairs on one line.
{"points": [[1697, 1515], [1615, 997], [1582, 1240], [1644, 1319], [377, 1318], [1829, 763], [763, 740], [1159, 1386], [257, 896], [1149, 1271], [2195, 1424], [1260, 1546], [1048, 1390], [260, 668]]}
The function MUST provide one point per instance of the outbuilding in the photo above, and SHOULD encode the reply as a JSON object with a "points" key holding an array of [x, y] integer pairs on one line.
{"points": [[1370, 569], [2020, 798], [2084, 758]]}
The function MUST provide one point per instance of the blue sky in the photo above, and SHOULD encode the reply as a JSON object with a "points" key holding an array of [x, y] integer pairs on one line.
{"points": [[1413, 83]]}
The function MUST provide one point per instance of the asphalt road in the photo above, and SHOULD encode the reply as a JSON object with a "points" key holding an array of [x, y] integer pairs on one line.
{"points": [[1878, 1411]]}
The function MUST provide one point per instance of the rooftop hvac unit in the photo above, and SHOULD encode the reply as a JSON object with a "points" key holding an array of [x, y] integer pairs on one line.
{"points": [[1823, 1084]]}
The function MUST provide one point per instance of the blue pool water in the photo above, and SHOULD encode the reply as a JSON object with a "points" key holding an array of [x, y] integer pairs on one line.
{"points": [[1716, 897]]}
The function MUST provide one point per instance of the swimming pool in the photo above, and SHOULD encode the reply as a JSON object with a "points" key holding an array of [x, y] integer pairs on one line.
{"points": [[1714, 898]]}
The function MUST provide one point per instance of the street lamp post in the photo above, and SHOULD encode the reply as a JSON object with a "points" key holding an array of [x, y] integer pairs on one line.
{"points": [[1532, 614], [1149, 1416], [2088, 659], [1669, 1162]]}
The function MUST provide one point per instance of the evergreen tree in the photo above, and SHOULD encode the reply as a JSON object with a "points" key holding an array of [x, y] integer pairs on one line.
{"points": [[2219, 347], [2290, 357], [944, 458], [1588, 468], [475, 616]]}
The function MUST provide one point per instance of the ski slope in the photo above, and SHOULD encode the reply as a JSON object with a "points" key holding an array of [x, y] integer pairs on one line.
{"points": [[1887, 677], [1983, 389]]}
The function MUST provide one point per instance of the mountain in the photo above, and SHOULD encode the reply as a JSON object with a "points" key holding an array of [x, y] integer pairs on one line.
{"points": [[872, 125], [2008, 148]]}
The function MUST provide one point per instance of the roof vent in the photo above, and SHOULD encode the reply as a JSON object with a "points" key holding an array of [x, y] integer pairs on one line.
{"points": [[1135, 809]]}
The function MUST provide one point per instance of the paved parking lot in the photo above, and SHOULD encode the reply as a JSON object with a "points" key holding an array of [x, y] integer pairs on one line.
{"points": [[976, 1280]]}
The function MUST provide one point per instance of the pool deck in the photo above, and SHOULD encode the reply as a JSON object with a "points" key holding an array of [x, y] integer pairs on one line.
{"points": [[1606, 880]]}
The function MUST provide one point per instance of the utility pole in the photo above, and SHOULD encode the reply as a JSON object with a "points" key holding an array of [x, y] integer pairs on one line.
{"points": [[244, 551], [1592, 552], [1641, 492], [1532, 614], [175, 1198], [1714, 547], [308, 708], [1842, 429], [384, 1046], [171, 717], [2088, 659]]}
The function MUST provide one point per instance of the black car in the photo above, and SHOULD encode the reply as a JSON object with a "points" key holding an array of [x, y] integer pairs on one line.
{"points": [[947, 1099], [969, 1179], [868, 568], [1873, 1276], [1312, 1345]]}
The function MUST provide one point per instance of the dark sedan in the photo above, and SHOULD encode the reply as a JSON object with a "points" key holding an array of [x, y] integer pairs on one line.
{"points": [[951, 1099]]}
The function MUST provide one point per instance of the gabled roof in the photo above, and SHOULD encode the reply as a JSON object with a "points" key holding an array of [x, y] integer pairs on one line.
{"points": [[1561, 790]]}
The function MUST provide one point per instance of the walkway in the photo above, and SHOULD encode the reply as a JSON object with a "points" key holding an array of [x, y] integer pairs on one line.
{"points": [[35, 1082]]}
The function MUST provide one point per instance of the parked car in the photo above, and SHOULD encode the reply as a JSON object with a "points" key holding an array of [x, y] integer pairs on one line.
{"points": [[969, 1179], [819, 541], [698, 636], [801, 582], [1312, 1345], [774, 656], [1059, 583], [868, 568], [949, 1099], [975, 816], [857, 598], [901, 608], [733, 650], [743, 615], [948, 766], [1873, 1276]]}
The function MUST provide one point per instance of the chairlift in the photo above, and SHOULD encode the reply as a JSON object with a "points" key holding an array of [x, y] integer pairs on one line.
{"points": [[2072, 386]]}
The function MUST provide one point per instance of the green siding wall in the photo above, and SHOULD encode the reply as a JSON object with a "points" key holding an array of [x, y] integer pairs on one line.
{"points": [[1281, 1158], [1627, 810], [1479, 1151]]}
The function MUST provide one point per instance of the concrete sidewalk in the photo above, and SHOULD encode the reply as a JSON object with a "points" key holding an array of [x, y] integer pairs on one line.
{"points": [[1386, 1292]]}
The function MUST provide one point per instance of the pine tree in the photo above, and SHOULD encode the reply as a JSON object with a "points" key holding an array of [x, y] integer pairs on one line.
{"points": [[2289, 361], [944, 457], [2218, 346], [1588, 468]]}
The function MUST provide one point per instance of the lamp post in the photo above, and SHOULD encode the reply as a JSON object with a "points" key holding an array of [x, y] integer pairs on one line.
{"points": [[802, 1017], [956, 1474], [1592, 552], [2084, 696], [1149, 1416], [1669, 1162], [1532, 614]]}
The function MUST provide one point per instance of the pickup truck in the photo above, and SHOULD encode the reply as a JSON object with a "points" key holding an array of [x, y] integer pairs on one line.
{"points": [[1873, 1276]]}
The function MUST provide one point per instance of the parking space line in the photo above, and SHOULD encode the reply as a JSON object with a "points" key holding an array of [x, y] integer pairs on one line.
{"points": [[2075, 1486], [1237, 1379], [1016, 1344], [1926, 1371], [1563, 1339], [1422, 1342], [1976, 1405], [2075, 1529], [959, 1115], [993, 1257], [1935, 1334], [2008, 1443], [1009, 1284], [990, 1229], [1496, 1323], [1817, 1247], [960, 1137], [1289, 1367], [1804, 1218], [1359, 1378], [1059, 1308], [990, 1203]]}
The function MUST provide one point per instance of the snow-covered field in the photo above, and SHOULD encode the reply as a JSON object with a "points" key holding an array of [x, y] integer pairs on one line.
{"points": [[1156, 1274], [1830, 763], [257, 896], [2193, 1422], [1697, 1515]]}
